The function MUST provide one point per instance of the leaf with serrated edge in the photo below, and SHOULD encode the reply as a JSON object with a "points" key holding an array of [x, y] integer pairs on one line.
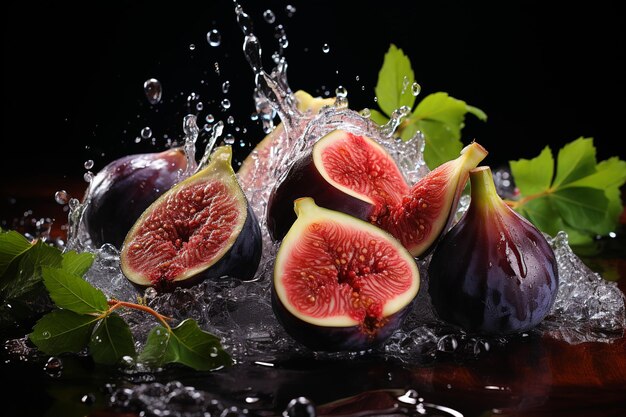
{"points": [[77, 263], [27, 275], [583, 207], [62, 331], [608, 174], [73, 293], [111, 341], [533, 176], [576, 160], [391, 89], [187, 344], [12, 245]]}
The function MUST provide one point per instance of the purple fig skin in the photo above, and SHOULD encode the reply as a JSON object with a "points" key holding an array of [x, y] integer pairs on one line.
{"points": [[304, 180], [123, 189], [493, 272], [336, 339]]}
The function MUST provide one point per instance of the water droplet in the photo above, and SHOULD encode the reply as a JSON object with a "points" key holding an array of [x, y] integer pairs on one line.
{"points": [[269, 16], [252, 400], [61, 197], [300, 407], [127, 361], [153, 90], [225, 87], [366, 113], [357, 78], [199, 106], [217, 68], [88, 176], [209, 118], [53, 367], [283, 42], [88, 399], [291, 10], [214, 38], [229, 139], [341, 92], [225, 104], [254, 117], [276, 57], [149, 293], [416, 89], [447, 343], [230, 120], [325, 48], [45, 334], [88, 164], [146, 133], [405, 84], [192, 46]]}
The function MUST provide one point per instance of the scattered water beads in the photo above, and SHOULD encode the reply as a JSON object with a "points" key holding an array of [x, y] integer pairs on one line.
{"points": [[290, 10], [214, 37], [225, 104], [88, 164], [225, 87], [146, 133], [153, 90]]}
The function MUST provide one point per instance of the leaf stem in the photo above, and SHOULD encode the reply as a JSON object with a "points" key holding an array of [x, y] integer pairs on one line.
{"points": [[115, 304], [518, 203]]}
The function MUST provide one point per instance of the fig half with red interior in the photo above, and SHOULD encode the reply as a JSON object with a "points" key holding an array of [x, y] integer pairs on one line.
{"points": [[493, 272], [201, 228], [355, 175], [123, 189], [341, 283]]}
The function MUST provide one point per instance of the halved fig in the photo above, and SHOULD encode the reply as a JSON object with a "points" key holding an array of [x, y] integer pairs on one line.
{"points": [[124, 189], [254, 171], [201, 228], [341, 283], [355, 175]]}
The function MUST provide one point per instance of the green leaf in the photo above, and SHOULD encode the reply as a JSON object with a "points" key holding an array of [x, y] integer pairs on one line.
{"points": [[395, 78], [533, 176], [481, 115], [576, 160], [77, 263], [187, 344], [111, 341], [12, 245], [582, 207], [26, 275], [542, 213], [608, 174], [378, 117], [442, 144], [73, 293], [62, 331]]}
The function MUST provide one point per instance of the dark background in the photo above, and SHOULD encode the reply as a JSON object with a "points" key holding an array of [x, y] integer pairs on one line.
{"points": [[73, 74]]}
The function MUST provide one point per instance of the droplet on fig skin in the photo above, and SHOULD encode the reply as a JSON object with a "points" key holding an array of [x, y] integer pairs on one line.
{"points": [[493, 272]]}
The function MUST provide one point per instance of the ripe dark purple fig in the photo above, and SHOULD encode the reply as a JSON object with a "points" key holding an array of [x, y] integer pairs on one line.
{"points": [[123, 189], [201, 228], [355, 175], [493, 272], [341, 283]]}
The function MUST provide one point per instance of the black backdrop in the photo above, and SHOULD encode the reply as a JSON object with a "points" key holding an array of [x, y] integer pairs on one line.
{"points": [[73, 75]]}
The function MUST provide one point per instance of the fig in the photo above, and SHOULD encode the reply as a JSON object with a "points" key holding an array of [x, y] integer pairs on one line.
{"points": [[123, 189], [341, 283], [355, 175], [201, 228], [493, 272], [254, 172]]}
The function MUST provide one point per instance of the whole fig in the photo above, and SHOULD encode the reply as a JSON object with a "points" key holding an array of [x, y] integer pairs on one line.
{"points": [[493, 272]]}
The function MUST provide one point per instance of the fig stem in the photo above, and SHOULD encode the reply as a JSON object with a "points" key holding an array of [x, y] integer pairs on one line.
{"points": [[115, 304]]}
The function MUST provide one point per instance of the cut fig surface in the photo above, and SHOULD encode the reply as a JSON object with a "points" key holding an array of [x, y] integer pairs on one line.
{"points": [[200, 228], [339, 282], [355, 175]]}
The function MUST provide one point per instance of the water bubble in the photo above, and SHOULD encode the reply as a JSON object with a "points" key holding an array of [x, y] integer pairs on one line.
{"points": [[61, 197], [88, 399], [230, 120], [149, 293], [366, 113], [269, 16], [192, 46], [53, 367], [447, 343], [341, 92], [225, 87], [199, 106], [416, 89], [225, 104], [254, 117], [88, 164], [209, 118], [291, 10], [146, 133], [283, 42], [45, 334], [229, 139], [137, 139], [88, 176], [325, 48], [300, 407], [214, 38], [216, 65], [276, 57], [153, 90], [357, 78]]}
